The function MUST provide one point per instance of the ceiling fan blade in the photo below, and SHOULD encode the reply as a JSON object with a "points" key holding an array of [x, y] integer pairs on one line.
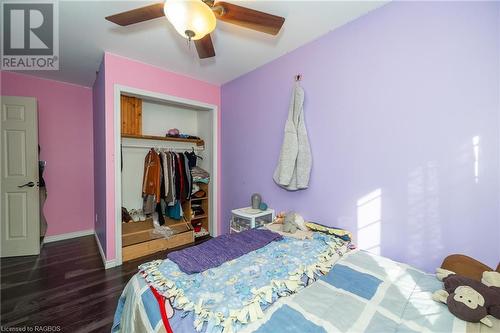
{"points": [[205, 47], [249, 18], [137, 15]]}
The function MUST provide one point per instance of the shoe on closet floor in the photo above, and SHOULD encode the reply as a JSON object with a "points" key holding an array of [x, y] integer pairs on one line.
{"points": [[142, 216], [134, 213], [125, 215]]}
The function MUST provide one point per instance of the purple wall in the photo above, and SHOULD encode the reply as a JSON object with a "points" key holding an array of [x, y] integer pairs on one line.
{"points": [[393, 102], [99, 157]]}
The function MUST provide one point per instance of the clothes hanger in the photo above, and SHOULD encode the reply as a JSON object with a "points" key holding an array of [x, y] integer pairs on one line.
{"points": [[198, 156]]}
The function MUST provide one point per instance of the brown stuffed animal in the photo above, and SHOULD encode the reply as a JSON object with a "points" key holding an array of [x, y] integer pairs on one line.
{"points": [[468, 299], [280, 218], [466, 266]]}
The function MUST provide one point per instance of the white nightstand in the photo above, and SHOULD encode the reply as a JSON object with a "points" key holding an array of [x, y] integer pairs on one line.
{"points": [[247, 218]]}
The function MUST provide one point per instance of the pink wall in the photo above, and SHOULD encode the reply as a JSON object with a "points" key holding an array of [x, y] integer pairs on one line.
{"points": [[131, 73], [65, 137]]}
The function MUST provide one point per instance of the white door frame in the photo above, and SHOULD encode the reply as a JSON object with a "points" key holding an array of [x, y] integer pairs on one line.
{"points": [[118, 90]]}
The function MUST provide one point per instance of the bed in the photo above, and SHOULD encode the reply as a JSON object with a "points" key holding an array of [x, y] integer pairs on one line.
{"points": [[289, 285]]}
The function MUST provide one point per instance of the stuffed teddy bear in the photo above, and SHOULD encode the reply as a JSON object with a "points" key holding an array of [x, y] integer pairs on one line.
{"points": [[468, 299], [289, 225], [291, 222], [280, 218]]}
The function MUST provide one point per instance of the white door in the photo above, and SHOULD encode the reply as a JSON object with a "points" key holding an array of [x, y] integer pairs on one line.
{"points": [[20, 225]]}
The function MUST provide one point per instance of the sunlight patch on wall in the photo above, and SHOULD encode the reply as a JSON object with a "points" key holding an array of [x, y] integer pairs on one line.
{"points": [[369, 212], [475, 148], [424, 231]]}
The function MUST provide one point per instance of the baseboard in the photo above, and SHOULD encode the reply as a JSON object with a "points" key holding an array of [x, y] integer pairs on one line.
{"points": [[69, 235], [107, 263]]}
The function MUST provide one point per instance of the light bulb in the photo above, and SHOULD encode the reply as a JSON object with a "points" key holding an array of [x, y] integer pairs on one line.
{"points": [[192, 19]]}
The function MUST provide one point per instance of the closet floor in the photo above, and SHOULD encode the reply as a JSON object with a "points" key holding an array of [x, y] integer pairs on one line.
{"points": [[65, 286]]}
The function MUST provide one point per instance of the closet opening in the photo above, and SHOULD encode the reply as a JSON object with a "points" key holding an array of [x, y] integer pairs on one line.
{"points": [[165, 172]]}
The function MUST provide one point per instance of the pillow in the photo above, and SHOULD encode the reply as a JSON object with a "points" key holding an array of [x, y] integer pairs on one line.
{"points": [[337, 232], [299, 234]]}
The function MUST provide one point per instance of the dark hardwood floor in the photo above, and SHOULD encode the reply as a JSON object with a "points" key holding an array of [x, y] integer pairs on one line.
{"points": [[65, 287]]}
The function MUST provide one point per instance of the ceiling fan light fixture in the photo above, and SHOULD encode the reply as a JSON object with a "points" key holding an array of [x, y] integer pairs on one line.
{"points": [[192, 19]]}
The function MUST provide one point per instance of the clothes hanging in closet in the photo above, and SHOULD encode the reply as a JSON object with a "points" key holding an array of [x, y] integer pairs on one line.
{"points": [[151, 181], [167, 179], [192, 158], [189, 178], [177, 175]]}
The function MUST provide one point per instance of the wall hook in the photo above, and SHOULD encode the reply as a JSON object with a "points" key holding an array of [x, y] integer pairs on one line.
{"points": [[298, 77]]}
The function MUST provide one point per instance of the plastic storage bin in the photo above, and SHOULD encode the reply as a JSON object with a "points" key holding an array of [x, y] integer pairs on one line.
{"points": [[244, 219]]}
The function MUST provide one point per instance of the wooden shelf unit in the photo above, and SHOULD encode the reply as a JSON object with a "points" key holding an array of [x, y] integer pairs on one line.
{"points": [[205, 205], [198, 142], [138, 239]]}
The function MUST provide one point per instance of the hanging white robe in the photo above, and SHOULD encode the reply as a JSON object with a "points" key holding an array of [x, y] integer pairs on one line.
{"points": [[294, 166]]}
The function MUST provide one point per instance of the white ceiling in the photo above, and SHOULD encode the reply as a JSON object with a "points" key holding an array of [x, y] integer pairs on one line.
{"points": [[85, 35]]}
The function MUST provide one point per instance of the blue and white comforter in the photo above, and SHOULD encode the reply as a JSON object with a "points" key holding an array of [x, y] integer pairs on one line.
{"points": [[227, 297], [361, 293], [366, 293]]}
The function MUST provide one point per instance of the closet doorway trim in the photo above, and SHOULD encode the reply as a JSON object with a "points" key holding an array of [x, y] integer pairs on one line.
{"points": [[154, 96]]}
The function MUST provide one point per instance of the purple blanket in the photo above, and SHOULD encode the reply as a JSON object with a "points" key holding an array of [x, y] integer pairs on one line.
{"points": [[217, 251]]}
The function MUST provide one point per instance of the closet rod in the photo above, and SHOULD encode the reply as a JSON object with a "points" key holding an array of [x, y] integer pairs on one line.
{"points": [[176, 149]]}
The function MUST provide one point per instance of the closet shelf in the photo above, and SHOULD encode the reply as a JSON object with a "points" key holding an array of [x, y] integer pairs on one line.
{"points": [[202, 198], [199, 217], [198, 142]]}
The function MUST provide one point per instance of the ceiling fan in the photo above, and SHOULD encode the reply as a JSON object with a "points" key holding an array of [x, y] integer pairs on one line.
{"points": [[196, 19]]}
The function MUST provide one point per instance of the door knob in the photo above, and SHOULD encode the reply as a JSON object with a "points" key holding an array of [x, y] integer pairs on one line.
{"points": [[30, 184]]}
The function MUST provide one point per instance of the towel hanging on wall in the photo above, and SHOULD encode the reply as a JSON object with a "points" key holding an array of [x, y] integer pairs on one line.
{"points": [[294, 166]]}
